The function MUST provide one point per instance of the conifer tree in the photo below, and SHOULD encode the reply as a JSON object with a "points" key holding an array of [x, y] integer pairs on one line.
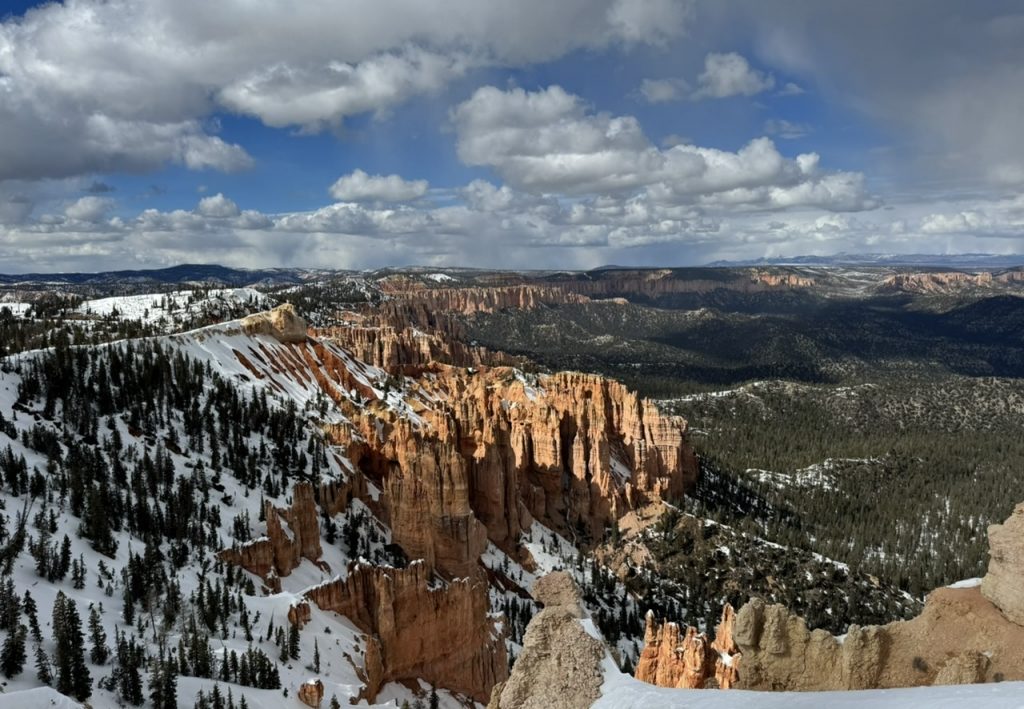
{"points": [[43, 673], [99, 652], [73, 676], [12, 656]]}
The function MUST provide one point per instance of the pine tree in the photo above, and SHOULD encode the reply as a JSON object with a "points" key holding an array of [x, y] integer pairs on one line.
{"points": [[72, 674], [12, 656], [435, 701], [99, 652], [43, 673], [163, 684], [293, 642], [316, 656]]}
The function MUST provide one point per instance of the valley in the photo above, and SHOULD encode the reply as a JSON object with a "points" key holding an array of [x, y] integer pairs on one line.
{"points": [[337, 486]]}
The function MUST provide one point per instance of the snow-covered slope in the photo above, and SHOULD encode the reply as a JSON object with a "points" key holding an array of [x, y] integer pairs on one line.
{"points": [[177, 308], [235, 371]]}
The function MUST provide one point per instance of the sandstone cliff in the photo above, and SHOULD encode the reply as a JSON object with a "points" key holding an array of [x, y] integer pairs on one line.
{"points": [[497, 451], [560, 664], [443, 635], [641, 284]]}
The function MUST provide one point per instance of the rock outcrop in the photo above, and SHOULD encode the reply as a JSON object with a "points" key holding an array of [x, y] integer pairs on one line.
{"points": [[280, 551], [959, 636], [560, 664], [1004, 582], [441, 634], [965, 634], [282, 323], [311, 693], [467, 301]]}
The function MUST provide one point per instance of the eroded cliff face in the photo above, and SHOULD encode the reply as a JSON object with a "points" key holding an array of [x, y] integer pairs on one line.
{"points": [[950, 281], [493, 451], [630, 284], [461, 455], [467, 301], [443, 635], [281, 550]]}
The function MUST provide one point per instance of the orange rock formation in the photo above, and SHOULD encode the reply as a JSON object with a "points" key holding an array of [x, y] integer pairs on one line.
{"points": [[279, 551], [572, 450], [685, 658], [444, 635]]}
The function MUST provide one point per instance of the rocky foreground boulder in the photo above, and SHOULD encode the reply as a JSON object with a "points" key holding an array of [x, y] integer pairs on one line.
{"points": [[1004, 582], [560, 665]]}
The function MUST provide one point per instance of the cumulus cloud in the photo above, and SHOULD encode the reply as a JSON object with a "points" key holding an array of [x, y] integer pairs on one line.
{"points": [[663, 90], [94, 86], [89, 209], [549, 141], [217, 206], [651, 21], [730, 74], [786, 129], [360, 187], [491, 225]]}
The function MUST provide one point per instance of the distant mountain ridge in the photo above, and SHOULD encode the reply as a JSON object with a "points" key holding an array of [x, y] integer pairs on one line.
{"points": [[185, 273], [877, 259]]}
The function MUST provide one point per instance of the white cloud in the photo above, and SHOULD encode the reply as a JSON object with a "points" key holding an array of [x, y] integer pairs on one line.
{"points": [[548, 141], [492, 225], [651, 21], [786, 129], [957, 223], [94, 86], [217, 206], [89, 209], [730, 74], [360, 187], [663, 90], [790, 89]]}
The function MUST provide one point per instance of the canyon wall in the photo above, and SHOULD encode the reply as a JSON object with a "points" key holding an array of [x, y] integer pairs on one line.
{"points": [[631, 284], [493, 451], [443, 635]]}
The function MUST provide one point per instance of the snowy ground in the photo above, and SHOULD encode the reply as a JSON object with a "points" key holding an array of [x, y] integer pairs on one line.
{"points": [[623, 692]]}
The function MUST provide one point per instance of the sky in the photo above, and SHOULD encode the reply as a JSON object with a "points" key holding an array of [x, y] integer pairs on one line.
{"points": [[528, 134]]}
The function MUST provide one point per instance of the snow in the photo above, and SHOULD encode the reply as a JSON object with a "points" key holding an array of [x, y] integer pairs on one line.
{"points": [[176, 307], [38, 698], [18, 310], [441, 278], [966, 583], [623, 692]]}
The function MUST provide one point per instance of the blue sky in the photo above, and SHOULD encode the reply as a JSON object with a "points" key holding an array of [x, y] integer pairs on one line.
{"points": [[351, 134]]}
